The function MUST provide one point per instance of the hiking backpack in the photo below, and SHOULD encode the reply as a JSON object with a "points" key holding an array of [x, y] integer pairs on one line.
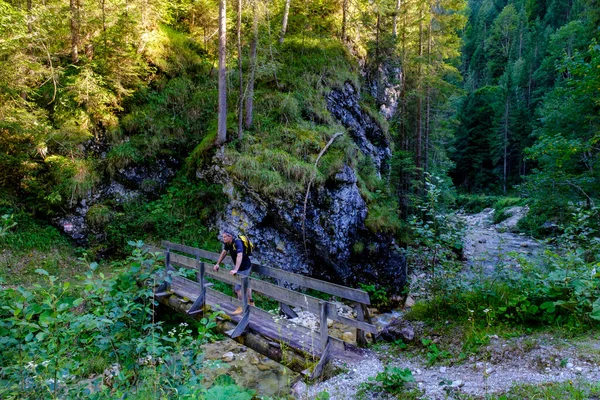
{"points": [[248, 245]]}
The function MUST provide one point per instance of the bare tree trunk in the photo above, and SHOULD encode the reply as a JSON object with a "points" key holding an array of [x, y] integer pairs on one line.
{"points": [[29, 5], [419, 130], [505, 138], [395, 23], [253, 47], [286, 12], [222, 121], [74, 6], [241, 80], [428, 102], [378, 79], [344, 19]]}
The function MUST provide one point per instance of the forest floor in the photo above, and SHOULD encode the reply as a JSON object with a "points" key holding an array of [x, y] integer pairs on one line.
{"points": [[507, 359]]}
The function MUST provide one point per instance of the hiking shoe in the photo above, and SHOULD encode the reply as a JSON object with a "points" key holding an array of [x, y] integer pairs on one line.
{"points": [[237, 311]]}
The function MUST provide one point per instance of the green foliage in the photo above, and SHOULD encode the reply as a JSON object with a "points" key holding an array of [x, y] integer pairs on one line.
{"points": [[182, 215], [529, 89], [437, 240], [434, 354], [378, 295], [578, 389], [392, 380], [53, 336], [6, 223], [30, 235]]}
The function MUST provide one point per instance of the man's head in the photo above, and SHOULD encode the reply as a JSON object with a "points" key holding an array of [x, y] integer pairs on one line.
{"points": [[227, 236]]}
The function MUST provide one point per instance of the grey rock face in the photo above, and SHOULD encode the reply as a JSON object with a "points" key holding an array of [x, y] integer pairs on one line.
{"points": [[129, 183], [330, 241], [367, 134], [398, 328], [390, 90]]}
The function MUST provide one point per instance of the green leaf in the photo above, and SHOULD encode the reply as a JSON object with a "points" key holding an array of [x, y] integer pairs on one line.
{"points": [[46, 318], [548, 306], [595, 314], [42, 271]]}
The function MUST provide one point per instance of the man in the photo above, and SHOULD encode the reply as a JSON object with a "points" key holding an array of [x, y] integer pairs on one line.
{"points": [[242, 266]]}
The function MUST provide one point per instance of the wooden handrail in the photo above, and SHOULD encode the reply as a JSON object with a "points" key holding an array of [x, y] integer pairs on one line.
{"points": [[357, 295]]}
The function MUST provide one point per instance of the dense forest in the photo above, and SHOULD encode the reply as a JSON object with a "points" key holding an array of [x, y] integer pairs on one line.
{"points": [[342, 135]]}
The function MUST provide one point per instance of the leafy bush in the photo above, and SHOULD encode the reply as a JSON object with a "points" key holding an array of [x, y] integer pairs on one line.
{"points": [[182, 215], [53, 337], [392, 380]]}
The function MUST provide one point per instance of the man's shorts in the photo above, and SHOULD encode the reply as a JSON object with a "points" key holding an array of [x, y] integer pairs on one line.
{"points": [[245, 272]]}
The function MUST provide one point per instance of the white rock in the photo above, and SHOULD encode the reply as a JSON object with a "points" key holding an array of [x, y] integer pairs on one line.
{"points": [[570, 365], [227, 357], [578, 370], [458, 384], [443, 370], [489, 371], [299, 389], [347, 337]]}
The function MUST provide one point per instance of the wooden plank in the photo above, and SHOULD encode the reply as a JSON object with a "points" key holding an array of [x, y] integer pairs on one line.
{"points": [[194, 251], [326, 287]]}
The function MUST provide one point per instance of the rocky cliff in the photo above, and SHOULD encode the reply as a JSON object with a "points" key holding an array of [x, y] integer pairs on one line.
{"points": [[333, 242]]}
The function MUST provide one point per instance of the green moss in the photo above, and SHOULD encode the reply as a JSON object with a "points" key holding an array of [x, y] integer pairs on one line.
{"points": [[98, 216]]}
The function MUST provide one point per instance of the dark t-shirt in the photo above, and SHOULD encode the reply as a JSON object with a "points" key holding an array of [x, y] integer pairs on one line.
{"points": [[234, 250]]}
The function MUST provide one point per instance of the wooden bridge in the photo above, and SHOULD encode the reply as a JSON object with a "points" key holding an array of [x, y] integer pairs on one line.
{"points": [[291, 344]]}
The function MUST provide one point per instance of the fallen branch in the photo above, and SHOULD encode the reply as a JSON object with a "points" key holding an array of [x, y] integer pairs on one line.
{"points": [[310, 184]]}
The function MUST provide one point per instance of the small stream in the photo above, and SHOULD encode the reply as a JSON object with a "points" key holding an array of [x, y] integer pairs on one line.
{"points": [[488, 245], [249, 369]]}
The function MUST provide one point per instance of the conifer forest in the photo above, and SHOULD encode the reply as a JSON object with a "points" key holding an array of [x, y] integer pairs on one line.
{"points": [[442, 156]]}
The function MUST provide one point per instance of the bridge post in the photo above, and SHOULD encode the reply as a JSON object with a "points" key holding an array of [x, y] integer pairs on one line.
{"points": [[361, 339], [284, 308], [325, 342], [243, 324], [324, 329], [167, 258], [198, 305], [161, 290]]}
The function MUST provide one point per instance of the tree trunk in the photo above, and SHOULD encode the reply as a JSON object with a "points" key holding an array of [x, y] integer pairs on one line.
{"points": [[428, 102], [286, 12], [222, 121], [419, 130], [505, 138], [378, 79], [344, 18], [253, 48], [241, 80], [395, 22], [74, 6]]}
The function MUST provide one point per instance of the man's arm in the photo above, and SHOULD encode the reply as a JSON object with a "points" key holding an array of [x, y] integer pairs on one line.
{"points": [[221, 257], [238, 263]]}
